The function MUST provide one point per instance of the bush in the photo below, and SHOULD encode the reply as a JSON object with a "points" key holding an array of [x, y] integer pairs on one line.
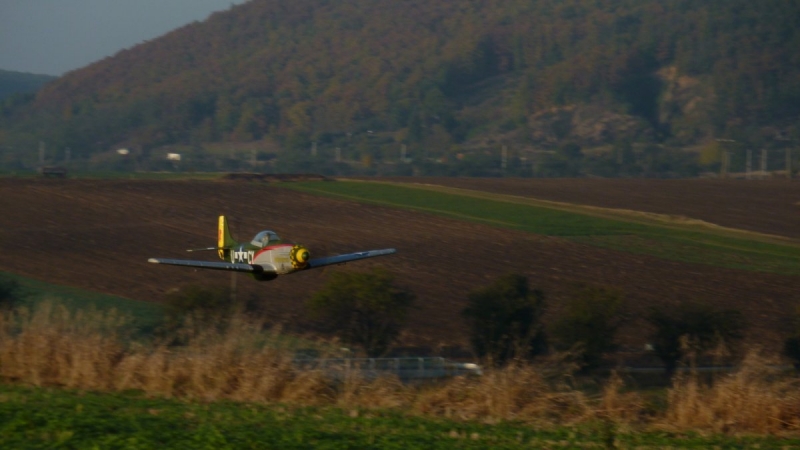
{"points": [[363, 309], [504, 320], [791, 346], [589, 324], [10, 292], [700, 327], [198, 308]]}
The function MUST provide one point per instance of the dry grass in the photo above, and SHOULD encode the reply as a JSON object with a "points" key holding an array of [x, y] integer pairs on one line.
{"points": [[755, 398], [53, 347], [540, 393]]}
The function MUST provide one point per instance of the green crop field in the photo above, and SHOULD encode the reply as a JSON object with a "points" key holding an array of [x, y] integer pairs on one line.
{"points": [[636, 233], [53, 418], [144, 316]]}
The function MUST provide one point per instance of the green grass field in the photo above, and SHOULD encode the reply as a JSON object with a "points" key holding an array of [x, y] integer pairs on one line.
{"points": [[636, 233], [55, 418]]}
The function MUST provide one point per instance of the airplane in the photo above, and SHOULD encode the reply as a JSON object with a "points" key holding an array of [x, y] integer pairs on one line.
{"points": [[266, 256]]}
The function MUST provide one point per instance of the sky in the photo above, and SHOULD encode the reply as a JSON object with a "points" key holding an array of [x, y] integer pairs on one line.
{"points": [[52, 37]]}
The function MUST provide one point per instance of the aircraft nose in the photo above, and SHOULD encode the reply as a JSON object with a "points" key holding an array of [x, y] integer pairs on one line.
{"points": [[299, 256]]}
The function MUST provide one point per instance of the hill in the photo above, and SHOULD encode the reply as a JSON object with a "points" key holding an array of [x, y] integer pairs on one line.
{"points": [[366, 76], [98, 235], [21, 83]]}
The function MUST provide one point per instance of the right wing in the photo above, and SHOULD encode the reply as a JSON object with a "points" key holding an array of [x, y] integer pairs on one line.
{"points": [[339, 259], [237, 267]]}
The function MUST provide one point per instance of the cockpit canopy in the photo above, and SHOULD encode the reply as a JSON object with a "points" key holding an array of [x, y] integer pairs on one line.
{"points": [[265, 238]]}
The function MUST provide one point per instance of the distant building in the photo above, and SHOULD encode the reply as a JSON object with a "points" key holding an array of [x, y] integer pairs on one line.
{"points": [[53, 171]]}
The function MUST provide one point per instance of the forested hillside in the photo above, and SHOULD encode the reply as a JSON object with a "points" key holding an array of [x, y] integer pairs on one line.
{"points": [[20, 83], [440, 76]]}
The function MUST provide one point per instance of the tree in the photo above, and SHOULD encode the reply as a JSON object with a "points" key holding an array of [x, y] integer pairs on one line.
{"points": [[791, 349], [199, 306], [589, 323], [504, 320], [791, 346], [697, 324], [9, 292], [364, 308]]}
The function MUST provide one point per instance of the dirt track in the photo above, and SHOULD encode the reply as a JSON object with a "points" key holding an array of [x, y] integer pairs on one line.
{"points": [[98, 235]]}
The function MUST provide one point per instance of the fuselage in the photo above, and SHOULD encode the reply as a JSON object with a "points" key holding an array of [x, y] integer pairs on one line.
{"points": [[277, 256]]}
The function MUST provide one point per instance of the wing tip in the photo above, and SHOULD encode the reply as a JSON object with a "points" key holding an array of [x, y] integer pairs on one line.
{"points": [[153, 260]]}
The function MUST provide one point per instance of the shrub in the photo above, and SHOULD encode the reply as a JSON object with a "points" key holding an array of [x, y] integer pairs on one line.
{"points": [[504, 320], [363, 309], [791, 346], [198, 307], [589, 324], [10, 292], [699, 325]]}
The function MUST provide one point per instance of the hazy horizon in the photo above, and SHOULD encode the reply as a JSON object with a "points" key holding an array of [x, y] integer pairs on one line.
{"points": [[52, 37]]}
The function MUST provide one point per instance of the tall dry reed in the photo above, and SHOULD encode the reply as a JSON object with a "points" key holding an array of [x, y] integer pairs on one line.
{"points": [[54, 346], [51, 345], [88, 350], [758, 397]]}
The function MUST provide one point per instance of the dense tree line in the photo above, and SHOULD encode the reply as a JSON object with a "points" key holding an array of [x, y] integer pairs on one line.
{"points": [[17, 83], [430, 74]]}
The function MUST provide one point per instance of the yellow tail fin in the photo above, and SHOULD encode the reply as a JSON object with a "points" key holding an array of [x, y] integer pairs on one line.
{"points": [[224, 240]]}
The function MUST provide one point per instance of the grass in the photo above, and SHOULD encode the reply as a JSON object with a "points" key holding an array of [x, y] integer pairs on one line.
{"points": [[660, 236], [51, 418]]}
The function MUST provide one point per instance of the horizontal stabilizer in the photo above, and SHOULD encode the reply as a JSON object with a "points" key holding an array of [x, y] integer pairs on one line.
{"points": [[339, 259], [237, 267], [202, 249]]}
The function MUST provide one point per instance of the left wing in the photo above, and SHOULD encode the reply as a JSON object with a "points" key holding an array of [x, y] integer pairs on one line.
{"points": [[339, 259], [237, 267]]}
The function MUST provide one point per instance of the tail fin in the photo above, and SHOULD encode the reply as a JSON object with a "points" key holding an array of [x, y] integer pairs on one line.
{"points": [[224, 240]]}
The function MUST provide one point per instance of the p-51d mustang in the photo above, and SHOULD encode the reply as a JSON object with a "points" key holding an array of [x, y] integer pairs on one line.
{"points": [[266, 256]]}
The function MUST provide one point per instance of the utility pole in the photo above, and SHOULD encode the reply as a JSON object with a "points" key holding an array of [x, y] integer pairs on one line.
{"points": [[789, 141], [314, 149], [41, 153], [233, 273], [764, 163], [403, 153], [725, 158]]}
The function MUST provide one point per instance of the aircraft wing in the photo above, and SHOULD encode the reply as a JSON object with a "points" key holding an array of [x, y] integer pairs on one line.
{"points": [[339, 259], [237, 267]]}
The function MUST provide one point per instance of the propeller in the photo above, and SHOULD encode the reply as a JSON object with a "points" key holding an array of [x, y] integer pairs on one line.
{"points": [[299, 256], [233, 223]]}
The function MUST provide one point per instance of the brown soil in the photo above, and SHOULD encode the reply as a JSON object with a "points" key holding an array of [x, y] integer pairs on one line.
{"points": [[98, 235]]}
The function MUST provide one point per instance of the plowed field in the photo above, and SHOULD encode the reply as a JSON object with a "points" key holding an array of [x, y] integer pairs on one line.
{"points": [[98, 235]]}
